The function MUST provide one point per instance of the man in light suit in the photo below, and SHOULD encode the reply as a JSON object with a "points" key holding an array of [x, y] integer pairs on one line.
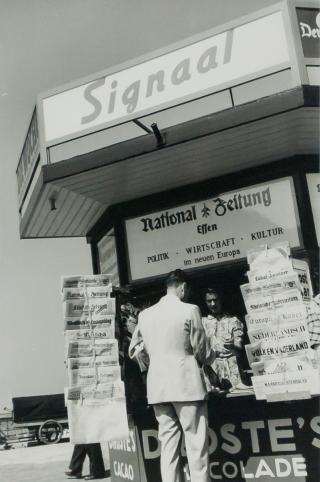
{"points": [[171, 334]]}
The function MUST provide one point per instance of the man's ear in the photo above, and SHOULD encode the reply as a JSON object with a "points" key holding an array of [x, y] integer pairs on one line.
{"points": [[183, 289]]}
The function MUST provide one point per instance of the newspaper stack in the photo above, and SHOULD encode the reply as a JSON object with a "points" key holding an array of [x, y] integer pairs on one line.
{"points": [[279, 353], [95, 396]]}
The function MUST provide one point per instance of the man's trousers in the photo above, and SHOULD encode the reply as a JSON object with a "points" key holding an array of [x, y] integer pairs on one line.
{"points": [[190, 418], [95, 457]]}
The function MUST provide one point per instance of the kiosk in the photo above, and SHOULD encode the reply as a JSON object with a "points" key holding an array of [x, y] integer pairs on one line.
{"points": [[186, 158]]}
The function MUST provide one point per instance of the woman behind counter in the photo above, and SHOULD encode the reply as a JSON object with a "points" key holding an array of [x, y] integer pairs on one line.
{"points": [[225, 333]]}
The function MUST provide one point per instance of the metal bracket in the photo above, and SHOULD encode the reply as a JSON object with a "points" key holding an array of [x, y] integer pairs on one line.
{"points": [[161, 140]]}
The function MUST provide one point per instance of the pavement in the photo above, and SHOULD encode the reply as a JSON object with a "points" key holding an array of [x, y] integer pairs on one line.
{"points": [[43, 463]]}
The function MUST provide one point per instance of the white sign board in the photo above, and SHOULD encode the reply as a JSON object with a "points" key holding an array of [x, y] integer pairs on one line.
{"points": [[216, 230], [244, 52], [286, 386], [301, 267], [314, 192]]}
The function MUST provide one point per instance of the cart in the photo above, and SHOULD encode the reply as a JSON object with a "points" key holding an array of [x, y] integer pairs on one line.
{"points": [[44, 417]]}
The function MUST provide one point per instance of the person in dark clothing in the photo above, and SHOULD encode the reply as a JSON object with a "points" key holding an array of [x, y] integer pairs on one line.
{"points": [[136, 395], [97, 469]]}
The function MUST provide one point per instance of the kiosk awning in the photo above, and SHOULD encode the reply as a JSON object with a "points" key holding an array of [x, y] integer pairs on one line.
{"points": [[70, 196]]}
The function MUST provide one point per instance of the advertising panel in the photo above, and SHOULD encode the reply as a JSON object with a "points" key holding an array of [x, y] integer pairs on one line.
{"points": [[309, 24], [251, 441], [216, 230], [203, 67], [124, 459]]}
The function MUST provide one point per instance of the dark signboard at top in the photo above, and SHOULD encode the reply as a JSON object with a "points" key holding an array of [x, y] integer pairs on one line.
{"points": [[309, 25]]}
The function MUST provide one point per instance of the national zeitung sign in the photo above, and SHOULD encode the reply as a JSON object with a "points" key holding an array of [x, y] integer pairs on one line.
{"points": [[214, 230]]}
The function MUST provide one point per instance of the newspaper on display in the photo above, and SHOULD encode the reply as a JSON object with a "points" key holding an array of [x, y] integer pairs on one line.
{"points": [[274, 301], [93, 347], [89, 362], [95, 396], [275, 347], [294, 314], [273, 331], [89, 376], [279, 352], [89, 280], [98, 416], [100, 394], [286, 385], [289, 282], [283, 365], [87, 322], [93, 308], [266, 258], [100, 332], [84, 292]]}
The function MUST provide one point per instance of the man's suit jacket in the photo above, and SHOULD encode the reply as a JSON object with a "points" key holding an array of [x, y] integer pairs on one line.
{"points": [[175, 341]]}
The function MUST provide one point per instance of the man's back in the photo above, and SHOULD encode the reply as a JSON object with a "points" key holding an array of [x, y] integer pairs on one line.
{"points": [[173, 337], [171, 333]]}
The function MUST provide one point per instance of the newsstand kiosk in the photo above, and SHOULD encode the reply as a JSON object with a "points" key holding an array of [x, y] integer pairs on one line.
{"points": [[186, 158]]}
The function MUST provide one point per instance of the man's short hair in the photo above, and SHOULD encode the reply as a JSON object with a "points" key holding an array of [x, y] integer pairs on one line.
{"points": [[212, 291], [176, 278]]}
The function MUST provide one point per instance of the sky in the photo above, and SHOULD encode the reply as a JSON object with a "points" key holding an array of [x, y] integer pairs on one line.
{"points": [[44, 44]]}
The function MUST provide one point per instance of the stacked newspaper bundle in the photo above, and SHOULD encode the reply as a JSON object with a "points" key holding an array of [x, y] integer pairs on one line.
{"points": [[279, 353], [95, 395]]}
